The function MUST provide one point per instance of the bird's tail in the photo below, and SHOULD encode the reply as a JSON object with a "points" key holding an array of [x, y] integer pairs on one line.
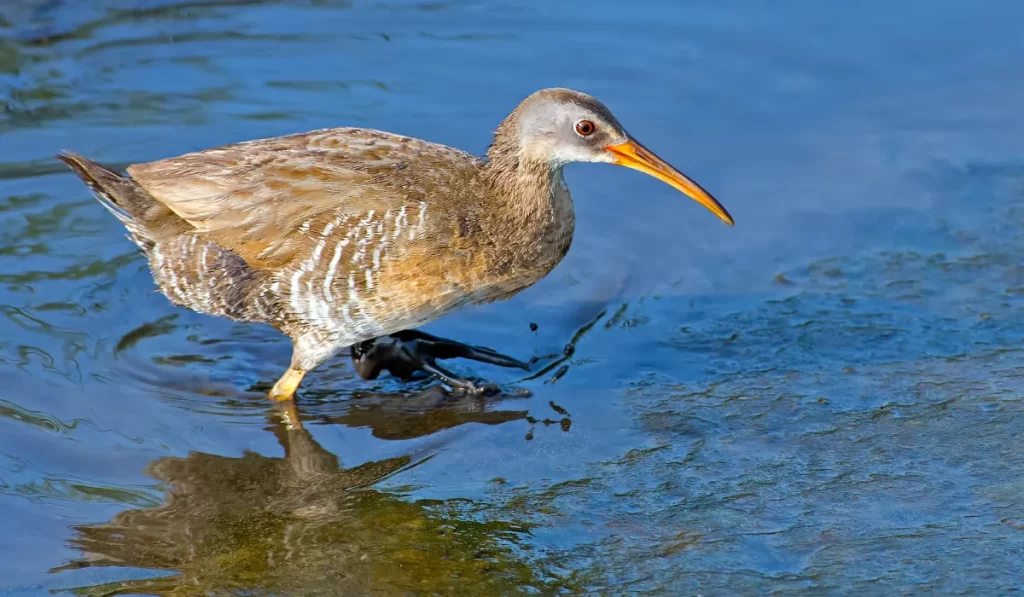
{"points": [[105, 184], [119, 194]]}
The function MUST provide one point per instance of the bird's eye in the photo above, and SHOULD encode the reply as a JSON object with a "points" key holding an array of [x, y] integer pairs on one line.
{"points": [[585, 128]]}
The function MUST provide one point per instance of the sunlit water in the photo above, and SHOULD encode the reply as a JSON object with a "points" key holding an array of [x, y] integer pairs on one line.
{"points": [[826, 398]]}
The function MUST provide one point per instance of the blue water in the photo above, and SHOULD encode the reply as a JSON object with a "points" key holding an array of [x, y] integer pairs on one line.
{"points": [[826, 399]]}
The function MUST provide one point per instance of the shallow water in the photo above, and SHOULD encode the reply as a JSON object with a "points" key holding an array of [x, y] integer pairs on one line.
{"points": [[826, 398]]}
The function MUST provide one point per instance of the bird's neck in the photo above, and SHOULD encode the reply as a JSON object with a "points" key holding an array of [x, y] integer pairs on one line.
{"points": [[528, 188], [533, 207]]}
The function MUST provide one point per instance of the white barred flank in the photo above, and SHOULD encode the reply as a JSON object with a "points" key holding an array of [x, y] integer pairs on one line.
{"points": [[200, 275], [335, 287]]}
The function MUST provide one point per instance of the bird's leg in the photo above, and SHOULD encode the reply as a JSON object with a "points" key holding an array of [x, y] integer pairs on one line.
{"points": [[285, 387], [404, 353], [310, 348]]}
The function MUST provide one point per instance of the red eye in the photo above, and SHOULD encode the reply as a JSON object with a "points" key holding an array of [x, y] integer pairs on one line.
{"points": [[585, 127]]}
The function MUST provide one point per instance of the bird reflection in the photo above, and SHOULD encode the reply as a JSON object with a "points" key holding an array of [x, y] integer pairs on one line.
{"points": [[305, 524], [402, 416]]}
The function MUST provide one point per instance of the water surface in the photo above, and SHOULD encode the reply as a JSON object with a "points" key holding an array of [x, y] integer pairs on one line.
{"points": [[825, 399]]}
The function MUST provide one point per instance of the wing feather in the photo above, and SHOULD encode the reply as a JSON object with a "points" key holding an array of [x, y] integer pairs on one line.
{"points": [[258, 198]]}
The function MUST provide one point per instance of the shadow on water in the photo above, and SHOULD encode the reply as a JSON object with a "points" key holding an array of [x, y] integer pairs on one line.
{"points": [[307, 525]]}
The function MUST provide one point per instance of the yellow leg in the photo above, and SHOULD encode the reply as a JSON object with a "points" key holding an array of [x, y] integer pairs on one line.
{"points": [[285, 387]]}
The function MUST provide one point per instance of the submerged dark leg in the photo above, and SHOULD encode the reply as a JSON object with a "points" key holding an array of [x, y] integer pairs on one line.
{"points": [[404, 353]]}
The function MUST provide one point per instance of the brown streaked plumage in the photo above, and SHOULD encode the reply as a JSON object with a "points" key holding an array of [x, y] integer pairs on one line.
{"points": [[341, 236]]}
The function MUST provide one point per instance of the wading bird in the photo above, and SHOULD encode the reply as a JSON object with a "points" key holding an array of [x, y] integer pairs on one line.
{"points": [[353, 237]]}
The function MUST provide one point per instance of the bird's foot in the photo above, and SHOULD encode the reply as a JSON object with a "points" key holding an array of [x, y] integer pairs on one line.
{"points": [[404, 353]]}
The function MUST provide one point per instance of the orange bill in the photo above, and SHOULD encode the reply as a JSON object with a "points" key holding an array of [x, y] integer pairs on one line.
{"points": [[633, 155]]}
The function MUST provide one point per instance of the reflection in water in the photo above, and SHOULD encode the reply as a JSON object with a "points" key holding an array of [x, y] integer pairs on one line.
{"points": [[307, 524], [398, 416]]}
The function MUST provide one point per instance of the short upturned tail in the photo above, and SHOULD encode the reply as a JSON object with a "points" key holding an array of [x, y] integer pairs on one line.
{"points": [[143, 216], [108, 186]]}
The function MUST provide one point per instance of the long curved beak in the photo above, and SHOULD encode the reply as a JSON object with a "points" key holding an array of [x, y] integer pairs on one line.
{"points": [[633, 155]]}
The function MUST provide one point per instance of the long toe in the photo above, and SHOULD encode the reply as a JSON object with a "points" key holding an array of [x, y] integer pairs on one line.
{"points": [[487, 355], [443, 348]]}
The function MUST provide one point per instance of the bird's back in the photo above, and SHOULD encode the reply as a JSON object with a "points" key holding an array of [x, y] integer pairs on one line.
{"points": [[253, 197]]}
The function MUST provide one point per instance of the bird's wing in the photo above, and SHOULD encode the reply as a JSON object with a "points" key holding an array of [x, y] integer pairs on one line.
{"points": [[259, 198]]}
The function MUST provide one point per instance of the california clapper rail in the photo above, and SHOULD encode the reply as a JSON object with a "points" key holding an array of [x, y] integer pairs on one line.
{"points": [[353, 237]]}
